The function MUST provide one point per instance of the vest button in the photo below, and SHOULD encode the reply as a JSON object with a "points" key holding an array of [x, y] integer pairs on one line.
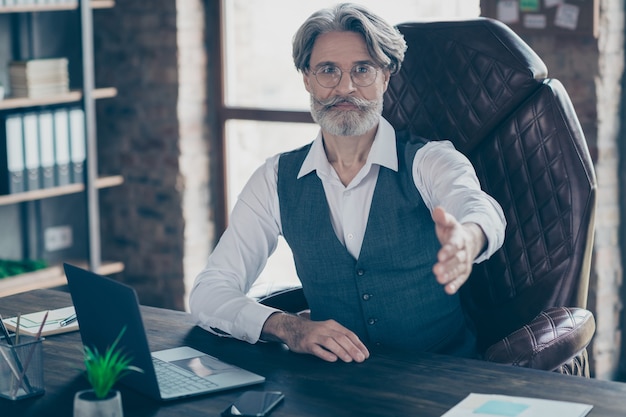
{"points": [[372, 321], [366, 296], [360, 272]]}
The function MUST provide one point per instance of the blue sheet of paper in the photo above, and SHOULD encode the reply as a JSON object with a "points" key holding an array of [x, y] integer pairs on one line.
{"points": [[501, 408]]}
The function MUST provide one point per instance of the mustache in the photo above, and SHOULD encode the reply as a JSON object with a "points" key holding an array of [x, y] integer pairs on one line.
{"points": [[332, 101]]}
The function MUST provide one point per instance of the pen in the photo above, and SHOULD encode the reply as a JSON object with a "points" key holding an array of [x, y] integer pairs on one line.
{"points": [[18, 362], [69, 320], [5, 332], [17, 329], [23, 379]]}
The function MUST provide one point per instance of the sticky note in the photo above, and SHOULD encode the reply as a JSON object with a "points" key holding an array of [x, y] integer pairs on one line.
{"points": [[529, 5]]}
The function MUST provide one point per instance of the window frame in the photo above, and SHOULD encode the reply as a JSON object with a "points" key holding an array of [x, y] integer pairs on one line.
{"points": [[215, 42]]}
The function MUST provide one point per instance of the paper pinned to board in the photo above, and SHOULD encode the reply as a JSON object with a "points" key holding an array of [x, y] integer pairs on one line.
{"points": [[489, 405], [529, 5], [508, 11], [552, 3], [567, 16], [535, 21]]}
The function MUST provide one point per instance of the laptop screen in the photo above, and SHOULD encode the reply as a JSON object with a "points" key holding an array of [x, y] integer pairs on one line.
{"points": [[104, 307]]}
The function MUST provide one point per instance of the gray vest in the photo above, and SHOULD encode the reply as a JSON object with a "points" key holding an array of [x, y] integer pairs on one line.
{"points": [[388, 296]]}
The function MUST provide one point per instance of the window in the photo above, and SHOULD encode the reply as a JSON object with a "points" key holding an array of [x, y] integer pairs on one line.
{"points": [[265, 107]]}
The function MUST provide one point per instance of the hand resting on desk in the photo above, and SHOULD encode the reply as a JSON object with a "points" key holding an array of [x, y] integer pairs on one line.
{"points": [[327, 340]]}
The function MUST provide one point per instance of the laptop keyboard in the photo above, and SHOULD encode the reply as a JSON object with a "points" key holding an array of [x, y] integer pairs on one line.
{"points": [[174, 380]]}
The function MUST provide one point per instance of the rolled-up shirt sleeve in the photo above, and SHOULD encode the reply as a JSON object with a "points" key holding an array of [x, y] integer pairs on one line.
{"points": [[218, 300], [446, 178]]}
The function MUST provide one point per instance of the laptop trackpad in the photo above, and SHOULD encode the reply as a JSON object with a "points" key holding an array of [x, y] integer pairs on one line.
{"points": [[193, 360]]}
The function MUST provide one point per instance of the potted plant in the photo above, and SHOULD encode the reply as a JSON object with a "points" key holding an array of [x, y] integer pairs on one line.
{"points": [[103, 370]]}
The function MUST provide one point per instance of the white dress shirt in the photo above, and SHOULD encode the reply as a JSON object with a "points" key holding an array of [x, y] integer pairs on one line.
{"points": [[443, 176]]}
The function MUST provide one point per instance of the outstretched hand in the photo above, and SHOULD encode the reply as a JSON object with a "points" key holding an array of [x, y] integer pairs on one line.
{"points": [[328, 339], [460, 244]]}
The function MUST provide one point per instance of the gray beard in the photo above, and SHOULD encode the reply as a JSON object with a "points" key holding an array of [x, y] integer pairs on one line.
{"points": [[346, 123]]}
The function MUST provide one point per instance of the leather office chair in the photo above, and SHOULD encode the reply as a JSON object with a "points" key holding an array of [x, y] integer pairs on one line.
{"points": [[479, 85]]}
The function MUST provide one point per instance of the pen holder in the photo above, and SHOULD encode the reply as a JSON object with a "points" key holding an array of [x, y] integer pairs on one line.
{"points": [[21, 368]]}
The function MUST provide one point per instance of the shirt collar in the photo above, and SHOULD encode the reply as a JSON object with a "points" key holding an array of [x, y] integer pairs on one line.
{"points": [[383, 152]]}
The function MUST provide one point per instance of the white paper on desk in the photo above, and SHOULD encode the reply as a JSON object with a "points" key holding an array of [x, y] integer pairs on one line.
{"points": [[30, 323], [485, 405]]}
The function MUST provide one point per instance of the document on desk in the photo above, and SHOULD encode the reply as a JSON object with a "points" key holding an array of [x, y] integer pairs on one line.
{"points": [[485, 405], [29, 323]]}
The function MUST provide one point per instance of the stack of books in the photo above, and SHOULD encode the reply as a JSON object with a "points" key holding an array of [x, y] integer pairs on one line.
{"points": [[37, 78]]}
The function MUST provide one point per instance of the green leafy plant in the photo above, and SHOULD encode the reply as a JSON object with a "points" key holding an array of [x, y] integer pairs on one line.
{"points": [[10, 268], [104, 370]]}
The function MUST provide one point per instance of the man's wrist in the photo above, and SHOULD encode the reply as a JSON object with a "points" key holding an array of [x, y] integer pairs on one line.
{"points": [[478, 237], [275, 328]]}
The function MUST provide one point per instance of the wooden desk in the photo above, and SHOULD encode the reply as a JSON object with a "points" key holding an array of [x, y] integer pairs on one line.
{"points": [[425, 385]]}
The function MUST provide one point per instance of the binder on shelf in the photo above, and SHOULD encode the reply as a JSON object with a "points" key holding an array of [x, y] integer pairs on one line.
{"points": [[62, 146], [12, 173], [77, 145], [46, 147], [31, 150]]}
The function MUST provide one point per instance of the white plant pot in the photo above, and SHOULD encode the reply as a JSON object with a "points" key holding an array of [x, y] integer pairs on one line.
{"points": [[87, 405]]}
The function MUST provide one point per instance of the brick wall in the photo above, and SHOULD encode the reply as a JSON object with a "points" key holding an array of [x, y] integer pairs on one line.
{"points": [[607, 270], [152, 134], [195, 134]]}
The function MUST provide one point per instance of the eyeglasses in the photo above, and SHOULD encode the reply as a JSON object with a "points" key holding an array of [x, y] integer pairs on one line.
{"points": [[362, 75]]}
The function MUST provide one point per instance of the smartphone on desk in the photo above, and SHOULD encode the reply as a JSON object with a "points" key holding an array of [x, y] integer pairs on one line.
{"points": [[254, 404]]}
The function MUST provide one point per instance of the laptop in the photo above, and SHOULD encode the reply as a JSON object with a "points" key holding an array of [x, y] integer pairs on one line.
{"points": [[104, 307]]}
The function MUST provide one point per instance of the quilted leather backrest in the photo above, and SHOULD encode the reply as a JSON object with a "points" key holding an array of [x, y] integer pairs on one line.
{"points": [[460, 79], [479, 85]]}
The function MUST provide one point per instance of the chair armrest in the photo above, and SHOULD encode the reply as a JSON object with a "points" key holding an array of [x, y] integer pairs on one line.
{"points": [[550, 340], [291, 300]]}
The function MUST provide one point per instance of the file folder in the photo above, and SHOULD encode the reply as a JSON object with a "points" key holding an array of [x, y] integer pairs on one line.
{"points": [[46, 146], [77, 144], [62, 146], [31, 150], [12, 156]]}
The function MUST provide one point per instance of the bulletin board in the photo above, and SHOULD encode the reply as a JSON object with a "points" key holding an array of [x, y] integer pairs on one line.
{"points": [[554, 17]]}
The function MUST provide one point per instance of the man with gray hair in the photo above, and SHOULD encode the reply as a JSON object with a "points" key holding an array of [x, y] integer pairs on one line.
{"points": [[384, 227]]}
